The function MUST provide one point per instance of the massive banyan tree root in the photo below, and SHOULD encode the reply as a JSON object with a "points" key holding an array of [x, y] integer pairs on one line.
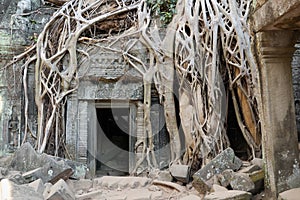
{"points": [[206, 46], [212, 47]]}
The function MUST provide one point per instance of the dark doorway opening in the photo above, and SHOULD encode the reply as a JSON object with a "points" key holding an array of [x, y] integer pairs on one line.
{"points": [[235, 135], [113, 135]]}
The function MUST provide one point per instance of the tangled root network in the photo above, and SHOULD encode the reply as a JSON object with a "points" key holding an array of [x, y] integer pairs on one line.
{"points": [[206, 48]]}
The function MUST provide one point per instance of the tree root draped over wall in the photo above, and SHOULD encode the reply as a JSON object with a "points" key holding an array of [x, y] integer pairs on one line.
{"points": [[206, 46]]}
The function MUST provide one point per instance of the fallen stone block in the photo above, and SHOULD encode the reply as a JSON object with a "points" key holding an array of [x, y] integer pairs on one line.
{"points": [[50, 172], [116, 195], [229, 195], [60, 191], [241, 181], [250, 169], [258, 178], [292, 194], [225, 177], [27, 159], [218, 188], [114, 182], [258, 162], [257, 175], [225, 160], [236, 180], [97, 194], [3, 171], [16, 177], [139, 194], [11, 191], [293, 179], [81, 184], [47, 189], [201, 186], [37, 186], [180, 172], [160, 175], [191, 197], [79, 169], [65, 175], [32, 175]]}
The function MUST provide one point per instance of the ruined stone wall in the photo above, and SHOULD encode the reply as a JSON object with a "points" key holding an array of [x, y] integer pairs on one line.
{"points": [[296, 84], [20, 23], [107, 80]]}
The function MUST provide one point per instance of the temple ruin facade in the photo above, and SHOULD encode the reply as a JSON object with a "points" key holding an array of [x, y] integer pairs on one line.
{"points": [[105, 114]]}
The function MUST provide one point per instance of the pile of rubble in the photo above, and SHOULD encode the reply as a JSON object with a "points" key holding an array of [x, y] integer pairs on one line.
{"points": [[31, 176]]}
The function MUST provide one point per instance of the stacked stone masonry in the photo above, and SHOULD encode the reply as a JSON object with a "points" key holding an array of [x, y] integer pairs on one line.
{"points": [[296, 84]]}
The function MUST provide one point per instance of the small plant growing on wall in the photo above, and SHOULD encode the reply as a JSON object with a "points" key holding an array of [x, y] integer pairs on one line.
{"points": [[163, 9]]}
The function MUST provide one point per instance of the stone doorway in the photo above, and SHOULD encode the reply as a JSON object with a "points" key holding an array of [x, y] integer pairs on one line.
{"points": [[115, 139]]}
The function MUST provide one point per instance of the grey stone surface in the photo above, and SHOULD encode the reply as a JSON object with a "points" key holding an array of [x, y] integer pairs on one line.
{"points": [[11, 191], [180, 172], [225, 160], [229, 195], [47, 189], [110, 90], [37, 186], [82, 184], [241, 181], [293, 180], [114, 182], [218, 188], [258, 161], [20, 23], [43, 166], [91, 195], [278, 116], [16, 177], [191, 197], [36, 166], [249, 169], [296, 84], [60, 191], [32, 175], [225, 177], [292, 194], [162, 175], [139, 194]]}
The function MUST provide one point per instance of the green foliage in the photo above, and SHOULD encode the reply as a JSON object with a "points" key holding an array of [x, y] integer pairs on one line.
{"points": [[164, 9]]}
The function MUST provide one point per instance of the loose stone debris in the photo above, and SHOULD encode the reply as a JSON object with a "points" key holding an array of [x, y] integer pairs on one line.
{"points": [[292, 194], [31, 176]]}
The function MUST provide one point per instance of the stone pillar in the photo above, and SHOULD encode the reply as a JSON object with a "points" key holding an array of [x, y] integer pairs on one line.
{"points": [[72, 126], [277, 110]]}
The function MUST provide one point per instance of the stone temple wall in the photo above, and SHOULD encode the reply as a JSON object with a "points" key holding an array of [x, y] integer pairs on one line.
{"points": [[20, 23], [296, 84]]}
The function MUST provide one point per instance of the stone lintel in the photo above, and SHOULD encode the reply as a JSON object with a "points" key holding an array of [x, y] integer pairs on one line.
{"points": [[277, 15], [277, 110]]}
